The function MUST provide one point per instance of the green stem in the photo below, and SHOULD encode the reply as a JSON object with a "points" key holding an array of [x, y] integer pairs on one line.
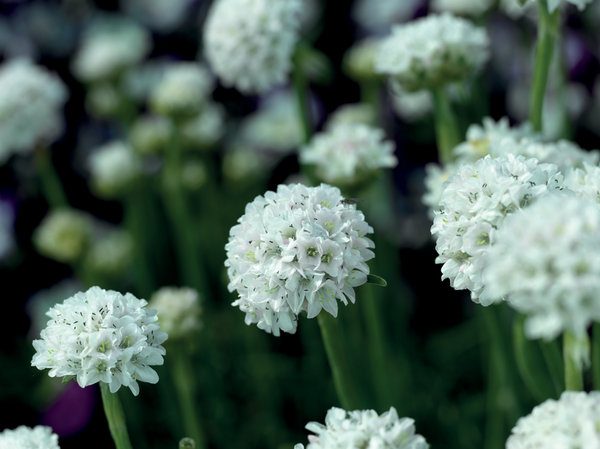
{"points": [[494, 422], [546, 40], [338, 361], [183, 380], [301, 88], [446, 127], [596, 355], [51, 185], [552, 356], [115, 417], [573, 373]]}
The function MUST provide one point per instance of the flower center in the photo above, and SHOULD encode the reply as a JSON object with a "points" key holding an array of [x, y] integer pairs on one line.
{"points": [[326, 258], [101, 367], [311, 251], [104, 346]]}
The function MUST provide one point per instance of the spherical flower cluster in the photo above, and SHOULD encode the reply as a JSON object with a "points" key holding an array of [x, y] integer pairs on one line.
{"points": [[432, 51], [359, 60], [23, 437], [158, 14], [183, 90], [300, 248], [571, 422], [206, 128], [349, 154], [410, 106], [31, 99], [150, 134], [63, 235], [364, 428], [114, 167], [462, 7], [380, 14], [249, 43], [101, 336], [110, 45], [546, 261], [178, 309], [475, 202], [353, 114], [110, 254]]}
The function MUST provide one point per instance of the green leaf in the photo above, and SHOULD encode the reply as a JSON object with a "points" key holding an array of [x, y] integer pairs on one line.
{"points": [[66, 379], [373, 279]]}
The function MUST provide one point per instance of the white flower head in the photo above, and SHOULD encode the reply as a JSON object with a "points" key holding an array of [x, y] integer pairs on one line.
{"points": [[249, 43], [353, 114], [110, 45], [110, 254], [349, 154], [462, 7], [380, 14], [206, 128], [150, 134], [569, 423], [546, 260], [23, 437], [300, 248], [364, 428], [31, 99], [178, 309], [433, 51], [475, 202], [114, 167], [359, 60], [184, 89], [63, 235], [158, 14], [101, 336], [410, 106]]}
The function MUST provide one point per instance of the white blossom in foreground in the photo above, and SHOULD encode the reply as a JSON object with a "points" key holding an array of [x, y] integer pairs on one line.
{"points": [[433, 51], [101, 336], [31, 101], [572, 422], [178, 309], [300, 248], [349, 154], [462, 7], [546, 261], [585, 182], [63, 235], [249, 43], [114, 167], [364, 429], [476, 200], [23, 437]]}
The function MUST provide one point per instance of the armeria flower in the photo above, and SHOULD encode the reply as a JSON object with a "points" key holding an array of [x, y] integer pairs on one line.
{"points": [[359, 60], [178, 309], [300, 248], [364, 429], [435, 177], [63, 235], [546, 261], [110, 45], [572, 422], [31, 99], [349, 154], [585, 181], [462, 7], [249, 43], [380, 14], [101, 336], [23, 437], [114, 168], [206, 128], [110, 254], [352, 114], [433, 51], [150, 134], [411, 106], [157, 14], [476, 200]]}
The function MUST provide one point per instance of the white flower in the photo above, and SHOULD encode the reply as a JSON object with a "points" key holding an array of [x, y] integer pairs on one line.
{"points": [[354, 113], [178, 309], [376, 14], [150, 134], [364, 429], [63, 235], [410, 106], [359, 60], [462, 7], [300, 248], [110, 254], [114, 166], [433, 51], [158, 14], [206, 128], [585, 182], [31, 99], [546, 260], [349, 153], [475, 202], [435, 177], [571, 422], [110, 45], [249, 43], [184, 89], [101, 336], [23, 437]]}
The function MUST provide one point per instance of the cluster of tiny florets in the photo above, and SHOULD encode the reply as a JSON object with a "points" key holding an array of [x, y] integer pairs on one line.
{"points": [[23, 437], [178, 309], [101, 336], [300, 248]]}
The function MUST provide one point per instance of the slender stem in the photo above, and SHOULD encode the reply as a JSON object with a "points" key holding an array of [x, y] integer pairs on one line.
{"points": [[301, 88], [115, 417], [184, 382], [552, 356], [546, 40], [494, 422], [446, 128], [573, 372], [596, 355], [338, 361], [51, 185]]}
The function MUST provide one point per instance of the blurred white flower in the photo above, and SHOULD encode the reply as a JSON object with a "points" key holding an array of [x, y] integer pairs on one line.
{"points": [[433, 51], [249, 43], [63, 235], [435, 177], [359, 59], [193, 174], [364, 429], [110, 254], [110, 45], [380, 14], [23, 437], [571, 422], [31, 101], [462, 7], [178, 310], [300, 248], [150, 134], [160, 15], [101, 336], [206, 128], [410, 106], [352, 114], [515, 10], [114, 167]]}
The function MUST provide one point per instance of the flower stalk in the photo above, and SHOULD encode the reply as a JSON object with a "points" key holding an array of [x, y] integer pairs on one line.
{"points": [[596, 355], [115, 417], [301, 90], [573, 371], [50, 181], [446, 127]]}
